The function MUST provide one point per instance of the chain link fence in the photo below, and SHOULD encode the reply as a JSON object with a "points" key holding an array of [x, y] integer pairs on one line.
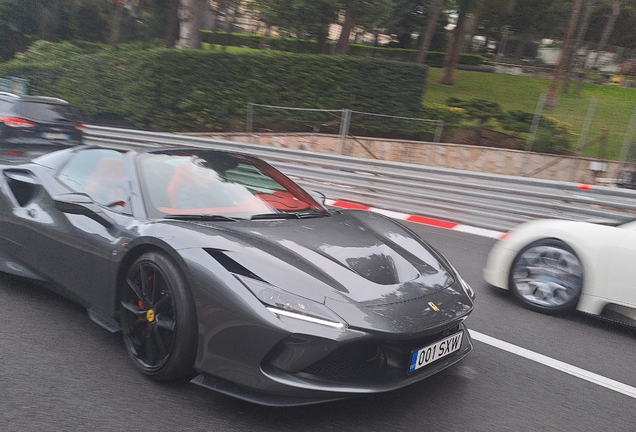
{"points": [[345, 122]]}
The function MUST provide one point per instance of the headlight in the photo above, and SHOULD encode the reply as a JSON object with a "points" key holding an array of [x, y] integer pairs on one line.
{"points": [[467, 288], [286, 304]]}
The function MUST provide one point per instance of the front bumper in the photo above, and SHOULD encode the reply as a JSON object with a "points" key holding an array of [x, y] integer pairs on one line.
{"points": [[361, 366], [498, 264], [250, 352]]}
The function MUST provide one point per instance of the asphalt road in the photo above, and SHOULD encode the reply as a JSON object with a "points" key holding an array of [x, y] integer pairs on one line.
{"points": [[59, 372]]}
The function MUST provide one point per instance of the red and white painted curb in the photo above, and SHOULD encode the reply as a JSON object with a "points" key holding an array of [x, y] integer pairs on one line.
{"points": [[419, 219]]}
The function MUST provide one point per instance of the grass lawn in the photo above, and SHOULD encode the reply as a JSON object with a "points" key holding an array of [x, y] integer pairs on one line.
{"points": [[613, 111]]}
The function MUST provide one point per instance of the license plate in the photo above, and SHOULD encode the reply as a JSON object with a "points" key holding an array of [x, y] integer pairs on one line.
{"points": [[436, 351], [54, 135]]}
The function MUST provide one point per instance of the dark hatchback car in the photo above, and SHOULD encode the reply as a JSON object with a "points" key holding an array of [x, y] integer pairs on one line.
{"points": [[34, 125]]}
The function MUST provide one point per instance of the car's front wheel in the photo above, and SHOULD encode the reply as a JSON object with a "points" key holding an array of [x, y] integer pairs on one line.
{"points": [[547, 276], [158, 318]]}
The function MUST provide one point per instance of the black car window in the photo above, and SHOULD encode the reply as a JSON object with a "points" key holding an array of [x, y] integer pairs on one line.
{"points": [[5, 106], [252, 178], [179, 183], [100, 174], [47, 112]]}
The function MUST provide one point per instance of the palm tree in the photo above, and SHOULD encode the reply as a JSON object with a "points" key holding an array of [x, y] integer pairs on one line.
{"points": [[342, 46], [580, 36], [436, 10], [172, 32], [551, 100], [190, 14], [114, 35], [609, 27], [456, 44]]}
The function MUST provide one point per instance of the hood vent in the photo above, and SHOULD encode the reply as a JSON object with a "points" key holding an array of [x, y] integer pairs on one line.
{"points": [[378, 263], [230, 265], [376, 268]]}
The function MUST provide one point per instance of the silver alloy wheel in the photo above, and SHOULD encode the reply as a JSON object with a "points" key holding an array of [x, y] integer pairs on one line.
{"points": [[547, 275]]}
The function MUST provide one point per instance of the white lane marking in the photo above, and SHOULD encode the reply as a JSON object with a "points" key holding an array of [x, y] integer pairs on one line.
{"points": [[556, 364], [389, 213], [478, 231]]}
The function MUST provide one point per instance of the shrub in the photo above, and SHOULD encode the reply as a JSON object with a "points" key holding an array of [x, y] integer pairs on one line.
{"points": [[479, 109], [521, 48], [195, 90], [517, 121], [553, 136], [471, 59], [435, 59], [42, 51], [450, 115]]}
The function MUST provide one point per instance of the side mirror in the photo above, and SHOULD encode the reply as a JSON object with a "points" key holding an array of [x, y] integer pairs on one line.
{"points": [[318, 196], [82, 204]]}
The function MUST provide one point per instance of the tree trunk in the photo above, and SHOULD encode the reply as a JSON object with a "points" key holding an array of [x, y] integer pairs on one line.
{"points": [[228, 21], [585, 23], [607, 31], [190, 17], [49, 21], [521, 47], [114, 35], [431, 26], [453, 51], [224, 8], [342, 47], [472, 22], [215, 21], [471, 27], [172, 32], [551, 100], [580, 36], [321, 43]]}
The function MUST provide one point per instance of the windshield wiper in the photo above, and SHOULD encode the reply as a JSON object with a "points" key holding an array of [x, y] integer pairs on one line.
{"points": [[295, 215], [275, 216], [202, 217]]}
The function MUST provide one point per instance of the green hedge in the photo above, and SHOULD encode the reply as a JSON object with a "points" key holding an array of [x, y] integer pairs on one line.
{"points": [[259, 42], [434, 58], [194, 90]]}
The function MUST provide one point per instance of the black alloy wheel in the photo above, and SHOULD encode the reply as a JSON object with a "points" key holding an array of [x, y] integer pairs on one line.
{"points": [[158, 318], [547, 276]]}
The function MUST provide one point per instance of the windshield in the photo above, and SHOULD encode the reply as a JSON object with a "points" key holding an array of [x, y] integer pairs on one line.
{"points": [[206, 182]]}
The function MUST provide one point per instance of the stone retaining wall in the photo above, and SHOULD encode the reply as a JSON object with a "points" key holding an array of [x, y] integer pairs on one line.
{"points": [[458, 156]]}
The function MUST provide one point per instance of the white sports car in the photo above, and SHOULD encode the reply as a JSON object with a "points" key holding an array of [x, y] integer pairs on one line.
{"points": [[557, 265]]}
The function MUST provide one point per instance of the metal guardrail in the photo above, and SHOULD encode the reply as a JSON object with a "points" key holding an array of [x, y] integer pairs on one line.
{"points": [[480, 199]]}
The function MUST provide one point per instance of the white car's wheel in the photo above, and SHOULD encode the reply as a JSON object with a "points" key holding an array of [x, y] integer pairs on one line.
{"points": [[547, 276]]}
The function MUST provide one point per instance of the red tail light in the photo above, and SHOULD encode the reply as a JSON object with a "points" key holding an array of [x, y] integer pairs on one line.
{"points": [[80, 127], [13, 153], [15, 122]]}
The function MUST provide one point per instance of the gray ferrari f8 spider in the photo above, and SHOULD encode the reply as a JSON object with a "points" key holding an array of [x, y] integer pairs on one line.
{"points": [[216, 267]]}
